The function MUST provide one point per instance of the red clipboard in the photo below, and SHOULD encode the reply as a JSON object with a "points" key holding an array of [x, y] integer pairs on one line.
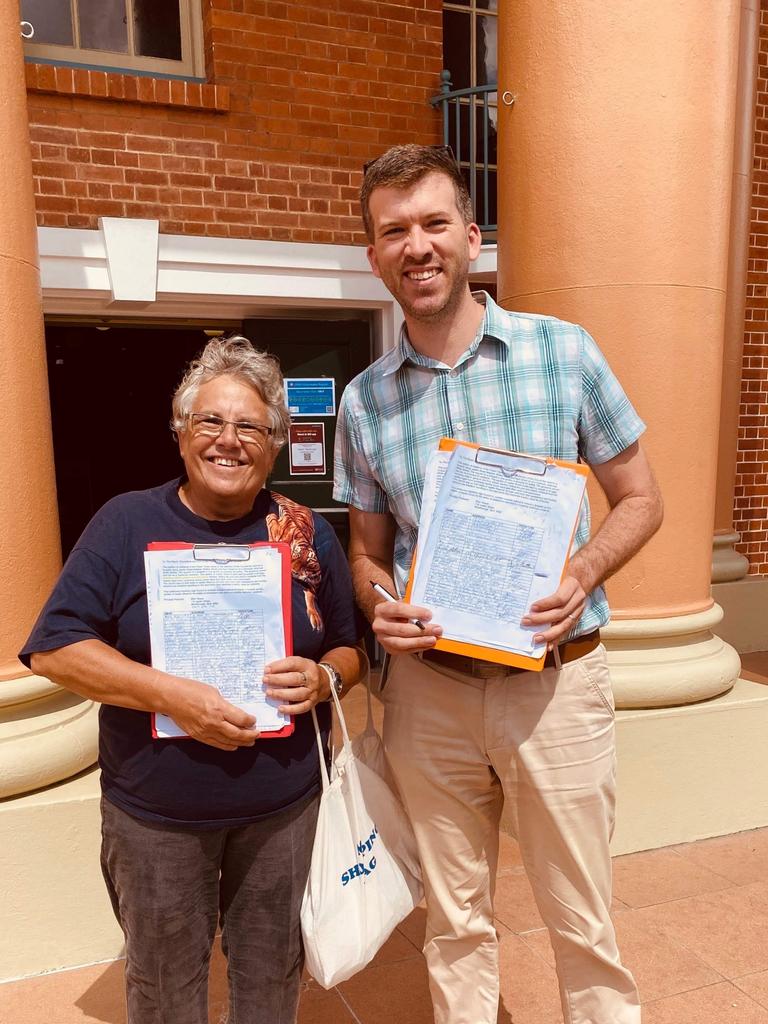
{"points": [[285, 582], [496, 654]]}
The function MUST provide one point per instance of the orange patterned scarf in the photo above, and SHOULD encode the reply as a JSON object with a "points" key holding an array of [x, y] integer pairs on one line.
{"points": [[293, 525]]}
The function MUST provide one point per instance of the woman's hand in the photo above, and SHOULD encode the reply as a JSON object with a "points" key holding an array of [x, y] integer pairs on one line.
{"points": [[97, 671], [201, 711], [298, 682]]}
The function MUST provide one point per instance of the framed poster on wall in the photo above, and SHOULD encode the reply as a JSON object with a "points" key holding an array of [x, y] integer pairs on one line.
{"points": [[310, 396], [306, 449]]}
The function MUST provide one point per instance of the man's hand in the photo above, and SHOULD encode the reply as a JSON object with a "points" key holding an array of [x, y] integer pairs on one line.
{"points": [[370, 557], [397, 634], [201, 711], [560, 611]]}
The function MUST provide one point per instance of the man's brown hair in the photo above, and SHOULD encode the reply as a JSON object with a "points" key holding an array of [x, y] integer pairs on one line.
{"points": [[403, 166]]}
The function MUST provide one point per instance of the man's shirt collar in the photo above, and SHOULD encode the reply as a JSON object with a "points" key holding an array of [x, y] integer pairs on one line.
{"points": [[492, 326]]}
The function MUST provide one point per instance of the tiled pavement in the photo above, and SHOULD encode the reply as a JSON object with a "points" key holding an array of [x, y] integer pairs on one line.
{"points": [[692, 923]]}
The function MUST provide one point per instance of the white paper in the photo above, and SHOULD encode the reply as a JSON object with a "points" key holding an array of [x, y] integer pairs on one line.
{"points": [[494, 536], [215, 615], [307, 453]]}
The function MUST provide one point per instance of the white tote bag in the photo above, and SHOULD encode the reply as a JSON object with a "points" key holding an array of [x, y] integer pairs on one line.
{"points": [[364, 878]]}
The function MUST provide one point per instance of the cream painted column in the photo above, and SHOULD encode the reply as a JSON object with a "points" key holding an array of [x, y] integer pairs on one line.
{"points": [[46, 733], [614, 203], [727, 563]]}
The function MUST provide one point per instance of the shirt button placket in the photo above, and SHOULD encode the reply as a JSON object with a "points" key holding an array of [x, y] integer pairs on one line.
{"points": [[458, 413]]}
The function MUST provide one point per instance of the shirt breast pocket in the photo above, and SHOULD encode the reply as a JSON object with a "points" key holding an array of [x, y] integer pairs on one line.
{"points": [[528, 433]]}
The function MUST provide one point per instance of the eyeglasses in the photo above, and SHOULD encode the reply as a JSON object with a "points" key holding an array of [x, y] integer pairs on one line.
{"points": [[213, 426], [447, 150]]}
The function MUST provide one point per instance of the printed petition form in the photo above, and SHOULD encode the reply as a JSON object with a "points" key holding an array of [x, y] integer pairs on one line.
{"points": [[494, 536], [216, 615]]}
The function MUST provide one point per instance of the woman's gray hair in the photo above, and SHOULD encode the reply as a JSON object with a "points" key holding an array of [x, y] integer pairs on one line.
{"points": [[235, 356]]}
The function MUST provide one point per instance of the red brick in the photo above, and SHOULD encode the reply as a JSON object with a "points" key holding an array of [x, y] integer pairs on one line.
{"points": [[142, 144], [142, 177], [233, 184], [130, 88], [50, 186], [162, 90], [304, 93], [102, 140], [193, 148], [60, 204], [97, 83]]}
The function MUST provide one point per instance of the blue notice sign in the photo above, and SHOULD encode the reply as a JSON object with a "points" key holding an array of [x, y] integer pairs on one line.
{"points": [[311, 396]]}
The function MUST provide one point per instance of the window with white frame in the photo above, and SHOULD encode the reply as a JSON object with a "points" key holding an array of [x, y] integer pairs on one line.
{"points": [[470, 31], [156, 36]]}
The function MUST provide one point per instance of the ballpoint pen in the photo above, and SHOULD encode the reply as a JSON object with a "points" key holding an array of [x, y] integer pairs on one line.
{"points": [[389, 597]]}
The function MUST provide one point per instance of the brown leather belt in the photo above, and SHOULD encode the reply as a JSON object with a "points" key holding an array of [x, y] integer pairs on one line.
{"points": [[569, 650]]}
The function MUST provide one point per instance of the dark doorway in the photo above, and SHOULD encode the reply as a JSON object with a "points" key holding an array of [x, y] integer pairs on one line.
{"points": [[338, 349], [111, 405]]}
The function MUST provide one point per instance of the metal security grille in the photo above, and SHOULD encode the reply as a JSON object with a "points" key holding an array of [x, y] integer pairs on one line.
{"points": [[468, 99]]}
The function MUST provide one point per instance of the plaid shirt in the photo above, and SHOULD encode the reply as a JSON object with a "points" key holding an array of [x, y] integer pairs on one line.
{"points": [[529, 383]]}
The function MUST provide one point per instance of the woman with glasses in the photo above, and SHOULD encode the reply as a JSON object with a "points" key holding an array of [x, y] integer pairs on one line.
{"points": [[216, 829]]}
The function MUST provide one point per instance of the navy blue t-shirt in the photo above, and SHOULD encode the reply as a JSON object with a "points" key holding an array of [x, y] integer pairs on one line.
{"points": [[101, 594]]}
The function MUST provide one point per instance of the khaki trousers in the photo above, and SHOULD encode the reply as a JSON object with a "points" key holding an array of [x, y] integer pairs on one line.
{"points": [[543, 744]]}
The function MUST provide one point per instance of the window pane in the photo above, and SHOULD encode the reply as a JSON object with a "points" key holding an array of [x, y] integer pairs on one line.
{"points": [[480, 214], [157, 29], [461, 145], [456, 48], [487, 36], [51, 19], [458, 135], [488, 5], [492, 120], [103, 25]]}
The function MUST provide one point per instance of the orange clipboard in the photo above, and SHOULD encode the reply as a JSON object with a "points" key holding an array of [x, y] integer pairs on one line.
{"points": [[284, 551], [480, 651]]}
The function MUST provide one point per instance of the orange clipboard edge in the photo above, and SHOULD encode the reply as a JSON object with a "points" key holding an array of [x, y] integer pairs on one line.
{"points": [[285, 580], [496, 654]]}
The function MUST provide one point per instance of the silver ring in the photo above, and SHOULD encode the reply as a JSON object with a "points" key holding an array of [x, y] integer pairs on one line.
{"points": [[303, 677]]}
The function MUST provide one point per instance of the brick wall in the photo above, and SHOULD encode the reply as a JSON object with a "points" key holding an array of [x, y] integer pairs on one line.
{"points": [[299, 96], [751, 498]]}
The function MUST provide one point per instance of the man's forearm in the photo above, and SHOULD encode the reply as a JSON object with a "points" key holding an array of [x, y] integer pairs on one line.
{"points": [[364, 571], [626, 528]]}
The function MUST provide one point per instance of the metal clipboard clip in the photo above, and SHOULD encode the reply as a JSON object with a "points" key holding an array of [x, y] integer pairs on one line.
{"points": [[511, 463], [221, 553]]}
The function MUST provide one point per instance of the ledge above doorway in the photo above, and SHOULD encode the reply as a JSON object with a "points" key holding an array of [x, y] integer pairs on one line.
{"points": [[198, 276]]}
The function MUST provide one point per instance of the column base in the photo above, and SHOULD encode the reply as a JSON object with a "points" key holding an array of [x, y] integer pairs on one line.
{"points": [[692, 772], [56, 911], [665, 662], [727, 563], [744, 603], [46, 734]]}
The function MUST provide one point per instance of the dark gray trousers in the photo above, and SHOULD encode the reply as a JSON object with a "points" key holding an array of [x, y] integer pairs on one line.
{"points": [[170, 887]]}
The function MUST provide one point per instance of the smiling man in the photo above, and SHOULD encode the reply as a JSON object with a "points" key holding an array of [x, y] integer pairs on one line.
{"points": [[463, 736]]}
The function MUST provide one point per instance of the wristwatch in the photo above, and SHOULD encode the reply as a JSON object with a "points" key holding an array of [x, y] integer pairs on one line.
{"points": [[334, 678]]}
